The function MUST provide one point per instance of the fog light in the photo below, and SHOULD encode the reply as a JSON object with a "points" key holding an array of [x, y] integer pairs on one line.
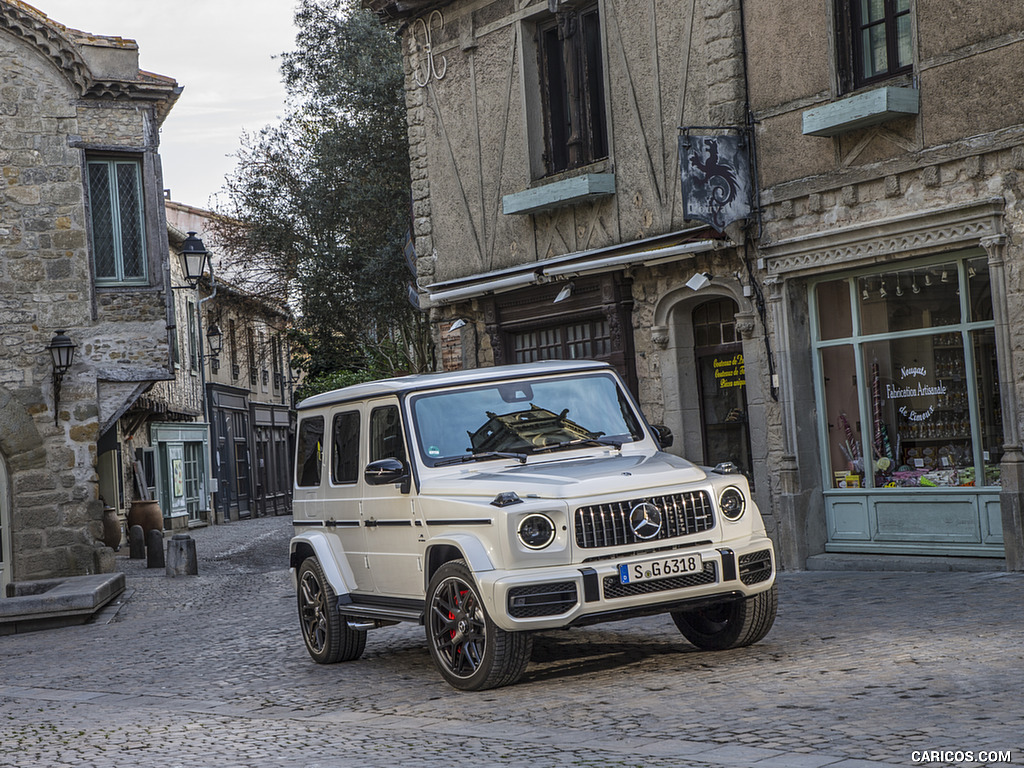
{"points": [[536, 531], [732, 503]]}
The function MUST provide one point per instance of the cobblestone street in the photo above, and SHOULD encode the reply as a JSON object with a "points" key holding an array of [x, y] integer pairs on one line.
{"points": [[861, 670]]}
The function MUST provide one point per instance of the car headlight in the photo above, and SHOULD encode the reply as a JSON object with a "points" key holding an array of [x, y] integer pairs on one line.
{"points": [[536, 531], [732, 503]]}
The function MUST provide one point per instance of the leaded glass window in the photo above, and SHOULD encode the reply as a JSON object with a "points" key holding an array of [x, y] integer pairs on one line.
{"points": [[118, 221]]}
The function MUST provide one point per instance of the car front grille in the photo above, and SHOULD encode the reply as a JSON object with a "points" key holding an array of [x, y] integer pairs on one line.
{"points": [[607, 525], [614, 588], [535, 600], [756, 567]]}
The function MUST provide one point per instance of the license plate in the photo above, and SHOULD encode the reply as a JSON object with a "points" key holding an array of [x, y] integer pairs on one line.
{"points": [[659, 568]]}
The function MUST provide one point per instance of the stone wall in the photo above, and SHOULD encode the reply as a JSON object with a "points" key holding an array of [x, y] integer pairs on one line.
{"points": [[49, 122]]}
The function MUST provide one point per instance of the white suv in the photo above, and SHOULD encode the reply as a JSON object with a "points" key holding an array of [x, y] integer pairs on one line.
{"points": [[490, 503]]}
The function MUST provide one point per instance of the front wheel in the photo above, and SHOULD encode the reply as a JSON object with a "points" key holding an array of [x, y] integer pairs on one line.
{"points": [[328, 637], [469, 650], [733, 624]]}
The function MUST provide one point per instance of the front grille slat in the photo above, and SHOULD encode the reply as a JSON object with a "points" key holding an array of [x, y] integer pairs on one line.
{"points": [[536, 600], [607, 525]]}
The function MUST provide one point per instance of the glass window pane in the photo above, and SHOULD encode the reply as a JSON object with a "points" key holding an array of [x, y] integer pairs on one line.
{"points": [[903, 40], [989, 403], [919, 425], [887, 306], [876, 59], [129, 198], [386, 441], [834, 318], [846, 465], [102, 215], [979, 289], [309, 451], [345, 448], [872, 10]]}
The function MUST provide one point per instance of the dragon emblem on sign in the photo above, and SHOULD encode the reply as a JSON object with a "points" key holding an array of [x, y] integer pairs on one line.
{"points": [[715, 173]]}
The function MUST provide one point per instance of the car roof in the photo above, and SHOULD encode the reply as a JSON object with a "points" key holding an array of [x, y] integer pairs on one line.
{"points": [[424, 381]]}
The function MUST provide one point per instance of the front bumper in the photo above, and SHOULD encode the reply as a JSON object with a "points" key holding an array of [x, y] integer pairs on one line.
{"points": [[563, 596]]}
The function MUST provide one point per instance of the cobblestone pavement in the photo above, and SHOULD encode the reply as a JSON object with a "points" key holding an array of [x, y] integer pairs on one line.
{"points": [[862, 670]]}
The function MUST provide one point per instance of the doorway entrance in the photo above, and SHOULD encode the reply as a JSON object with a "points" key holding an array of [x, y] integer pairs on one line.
{"points": [[722, 385]]}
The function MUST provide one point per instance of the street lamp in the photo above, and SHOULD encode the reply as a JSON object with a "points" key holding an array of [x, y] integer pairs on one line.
{"points": [[62, 353], [215, 339], [193, 258]]}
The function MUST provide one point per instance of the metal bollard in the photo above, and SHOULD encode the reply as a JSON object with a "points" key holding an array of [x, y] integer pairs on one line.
{"points": [[181, 556], [155, 549], [136, 543]]}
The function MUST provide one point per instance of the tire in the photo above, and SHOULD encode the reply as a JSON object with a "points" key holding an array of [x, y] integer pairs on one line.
{"points": [[327, 635], [728, 625], [470, 652]]}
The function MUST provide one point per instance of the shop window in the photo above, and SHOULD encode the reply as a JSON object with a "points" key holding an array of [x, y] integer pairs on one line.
{"points": [[572, 88], [875, 40], [572, 341], [309, 452], [345, 448], [117, 218], [911, 393]]}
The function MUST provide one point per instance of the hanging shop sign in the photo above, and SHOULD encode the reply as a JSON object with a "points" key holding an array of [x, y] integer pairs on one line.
{"points": [[715, 172]]}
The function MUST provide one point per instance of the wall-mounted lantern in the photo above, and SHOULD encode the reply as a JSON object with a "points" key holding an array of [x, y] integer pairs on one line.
{"points": [[215, 339], [62, 353], [193, 258]]}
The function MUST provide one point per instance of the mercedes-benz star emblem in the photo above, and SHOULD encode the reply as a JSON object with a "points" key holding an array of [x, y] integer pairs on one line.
{"points": [[645, 520]]}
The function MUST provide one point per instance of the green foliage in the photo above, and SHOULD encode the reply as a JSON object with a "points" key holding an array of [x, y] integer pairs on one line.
{"points": [[382, 361], [319, 206]]}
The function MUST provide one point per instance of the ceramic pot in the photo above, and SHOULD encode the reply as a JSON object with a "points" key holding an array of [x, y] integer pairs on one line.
{"points": [[146, 513], [111, 528]]}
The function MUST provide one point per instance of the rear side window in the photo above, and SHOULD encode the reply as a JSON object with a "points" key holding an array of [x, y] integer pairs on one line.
{"points": [[386, 440], [309, 449], [345, 448]]}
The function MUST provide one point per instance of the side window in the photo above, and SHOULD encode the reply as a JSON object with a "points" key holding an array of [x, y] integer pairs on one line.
{"points": [[386, 440], [876, 36], [116, 213], [571, 73], [345, 448], [309, 448]]}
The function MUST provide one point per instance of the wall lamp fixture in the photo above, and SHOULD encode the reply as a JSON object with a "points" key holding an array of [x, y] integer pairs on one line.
{"points": [[193, 258], [62, 353]]}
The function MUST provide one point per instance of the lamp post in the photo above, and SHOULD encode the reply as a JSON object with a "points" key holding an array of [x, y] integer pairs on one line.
{"points": [[62, 353], [194, 258]]}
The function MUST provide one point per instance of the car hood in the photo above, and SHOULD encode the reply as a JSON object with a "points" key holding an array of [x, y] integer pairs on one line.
{"points": [[564, 478]]}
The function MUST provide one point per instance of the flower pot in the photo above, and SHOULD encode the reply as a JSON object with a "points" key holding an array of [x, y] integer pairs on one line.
{"points": [[147, 514]]}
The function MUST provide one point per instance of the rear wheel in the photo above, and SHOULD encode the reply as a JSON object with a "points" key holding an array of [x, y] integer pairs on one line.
{"points": [[729, 625], [469, 650], [328, 637]]}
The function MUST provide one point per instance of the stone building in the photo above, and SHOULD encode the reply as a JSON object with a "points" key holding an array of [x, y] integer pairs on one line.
{"points": [[851, 343], [248, 388], [891, 149], [83, 251], [548, 211]]}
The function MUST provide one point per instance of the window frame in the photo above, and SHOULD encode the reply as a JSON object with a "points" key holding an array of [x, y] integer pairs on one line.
{"points": [[580, 98], [852, 49], [114, 193]]}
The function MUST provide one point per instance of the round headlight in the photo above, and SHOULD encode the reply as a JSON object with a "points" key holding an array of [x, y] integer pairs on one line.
{"points": [[732, 503], [536, 531]]}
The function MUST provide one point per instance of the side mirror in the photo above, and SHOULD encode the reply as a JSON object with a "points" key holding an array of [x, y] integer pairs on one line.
{"points": [[385, 472], [664, 435]]}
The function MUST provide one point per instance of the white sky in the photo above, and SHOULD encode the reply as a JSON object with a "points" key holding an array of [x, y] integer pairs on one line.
{"points": [[224, 54]]}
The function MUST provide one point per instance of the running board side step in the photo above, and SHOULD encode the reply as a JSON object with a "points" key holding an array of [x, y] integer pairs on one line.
{"points": [[353, 612]]}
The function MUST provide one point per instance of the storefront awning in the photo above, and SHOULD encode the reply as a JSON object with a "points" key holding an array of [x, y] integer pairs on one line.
{"points": [[656, 250]]}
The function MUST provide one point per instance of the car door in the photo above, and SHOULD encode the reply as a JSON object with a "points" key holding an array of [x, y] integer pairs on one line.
{"points": [[344, 492], [393, 540]]}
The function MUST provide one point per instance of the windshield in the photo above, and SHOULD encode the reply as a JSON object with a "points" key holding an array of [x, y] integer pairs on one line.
{"points": [[522, 417]]}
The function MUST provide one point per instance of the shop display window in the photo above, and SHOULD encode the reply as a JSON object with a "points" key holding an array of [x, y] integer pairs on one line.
{"points": [[911, 393]]}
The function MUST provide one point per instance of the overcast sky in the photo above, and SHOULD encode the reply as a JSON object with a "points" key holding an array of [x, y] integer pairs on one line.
{"points": [[224, 54]]}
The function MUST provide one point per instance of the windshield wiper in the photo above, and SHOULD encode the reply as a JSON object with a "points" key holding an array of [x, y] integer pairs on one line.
{"points": [[481, 456], [580, 441]]}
